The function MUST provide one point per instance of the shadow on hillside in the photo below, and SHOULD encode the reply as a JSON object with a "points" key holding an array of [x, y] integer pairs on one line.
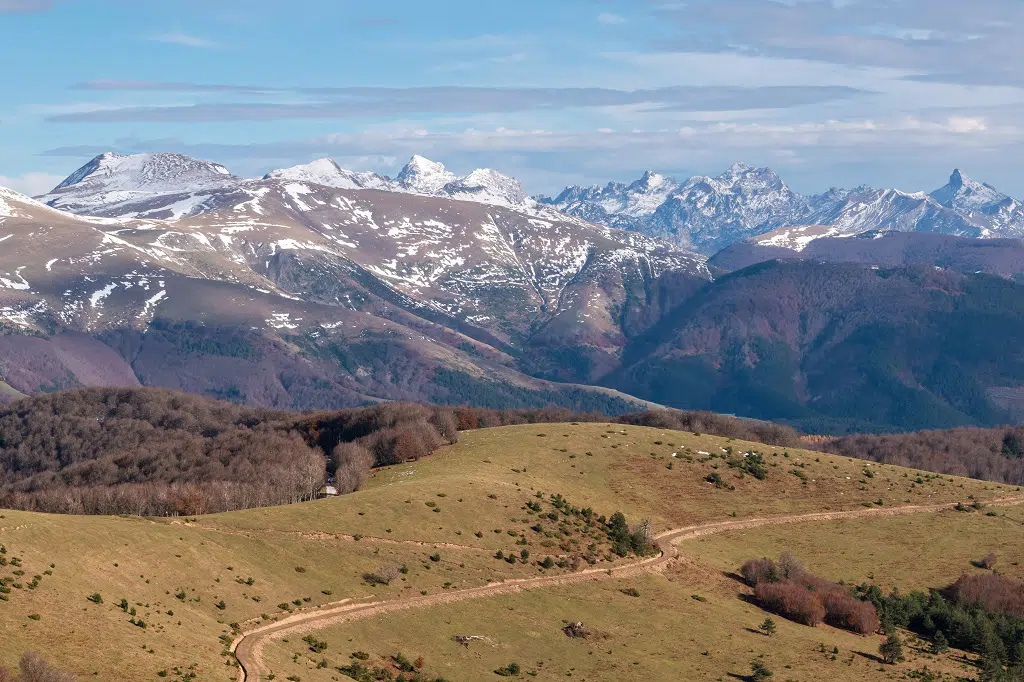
{"points": [[870, 657], [749, 599], [732, 575]]}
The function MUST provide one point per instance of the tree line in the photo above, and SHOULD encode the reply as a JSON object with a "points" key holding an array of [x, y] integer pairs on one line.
{"points": [[991, 454], [156, 452]]}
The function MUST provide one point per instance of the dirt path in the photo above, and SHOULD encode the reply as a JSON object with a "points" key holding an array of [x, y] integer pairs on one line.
{"points": [[248, 646]]}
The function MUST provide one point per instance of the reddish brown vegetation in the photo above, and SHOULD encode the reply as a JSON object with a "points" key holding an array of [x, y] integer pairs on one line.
{"points": [[996, 593], [787, 589], [791, 601], [988, 561], [843, 610], [756, 571], [989, 454], [352, 463], [157, 452], [33, 668]]}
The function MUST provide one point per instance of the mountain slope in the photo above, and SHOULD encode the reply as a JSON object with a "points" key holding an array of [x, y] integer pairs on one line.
{"points": [[300, 294], [832, 347], [1000, 257], [141, 185]]}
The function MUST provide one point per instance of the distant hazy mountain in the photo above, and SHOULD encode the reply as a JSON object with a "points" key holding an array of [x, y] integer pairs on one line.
{"points": [[1000, 257], [708, 214]]}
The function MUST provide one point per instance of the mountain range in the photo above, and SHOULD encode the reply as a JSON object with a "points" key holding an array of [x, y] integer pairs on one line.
{"points": [[319, 287], [707, 214], [285, 292], [173, 186]]}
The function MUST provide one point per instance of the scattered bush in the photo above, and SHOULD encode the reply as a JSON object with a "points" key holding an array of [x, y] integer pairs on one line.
{"points": [[383, 575], [891, 649], [315, 645], [987, 562], [756, 571], [789, 590], [510, 670], [33, 668], [791, 601], [759, 672]]}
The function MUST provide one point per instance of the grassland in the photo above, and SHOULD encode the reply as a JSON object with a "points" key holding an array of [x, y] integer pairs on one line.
{"points": [[688, 624], [443, 519]]}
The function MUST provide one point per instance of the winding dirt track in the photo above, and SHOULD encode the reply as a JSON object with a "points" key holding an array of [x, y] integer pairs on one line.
{"points": [[249, 645]]}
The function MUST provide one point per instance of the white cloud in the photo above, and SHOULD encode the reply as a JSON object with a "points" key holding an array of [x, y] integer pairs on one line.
{"points": [[186, 40], [962, 124], [31, 184], [610, 19]]}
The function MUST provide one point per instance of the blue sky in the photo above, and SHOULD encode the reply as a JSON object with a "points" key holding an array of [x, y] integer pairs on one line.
{"points": [[555, 92]]}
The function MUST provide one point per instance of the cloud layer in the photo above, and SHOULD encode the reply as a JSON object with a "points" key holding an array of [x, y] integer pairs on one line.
{"points": [[382, 102], [976, 42]]}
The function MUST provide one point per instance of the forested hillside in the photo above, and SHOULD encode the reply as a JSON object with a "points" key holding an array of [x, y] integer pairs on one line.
{"points": [[839, 348], [157, 452]]}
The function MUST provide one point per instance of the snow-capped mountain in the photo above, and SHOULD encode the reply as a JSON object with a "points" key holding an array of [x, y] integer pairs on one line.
{"points": [[158, 185], [703, 213], [419, 176], [982, 205], [487, 186], [318, 259], [173, 186], [327, 172], [708, 214], [423, 176]]}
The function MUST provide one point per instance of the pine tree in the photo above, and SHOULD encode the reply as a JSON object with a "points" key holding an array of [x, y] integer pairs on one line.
{"points": [[991, 669], [891, 649], [767, 627], [759, 672], [940, 645]]}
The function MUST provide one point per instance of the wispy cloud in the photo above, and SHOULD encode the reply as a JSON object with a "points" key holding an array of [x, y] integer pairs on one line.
{"points": [[31, 184], [610, 19], [940, 40], [186, 40], [573, 155], [18, 6], [360, 102]]}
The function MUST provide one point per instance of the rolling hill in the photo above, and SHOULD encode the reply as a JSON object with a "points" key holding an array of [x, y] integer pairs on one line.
{"points": [[176, 593]]}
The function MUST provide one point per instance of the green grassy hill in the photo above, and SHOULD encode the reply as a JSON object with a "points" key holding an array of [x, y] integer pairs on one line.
{"points": [[194, 582]]}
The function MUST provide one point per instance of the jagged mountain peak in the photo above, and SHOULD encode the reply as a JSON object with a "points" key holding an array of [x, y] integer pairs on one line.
{"points": [[649, 181], [710, 212], [424, 176], [966, 194], [743, 175]]}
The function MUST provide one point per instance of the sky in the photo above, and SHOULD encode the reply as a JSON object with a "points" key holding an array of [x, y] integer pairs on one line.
{"points": [[892, 93]]}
